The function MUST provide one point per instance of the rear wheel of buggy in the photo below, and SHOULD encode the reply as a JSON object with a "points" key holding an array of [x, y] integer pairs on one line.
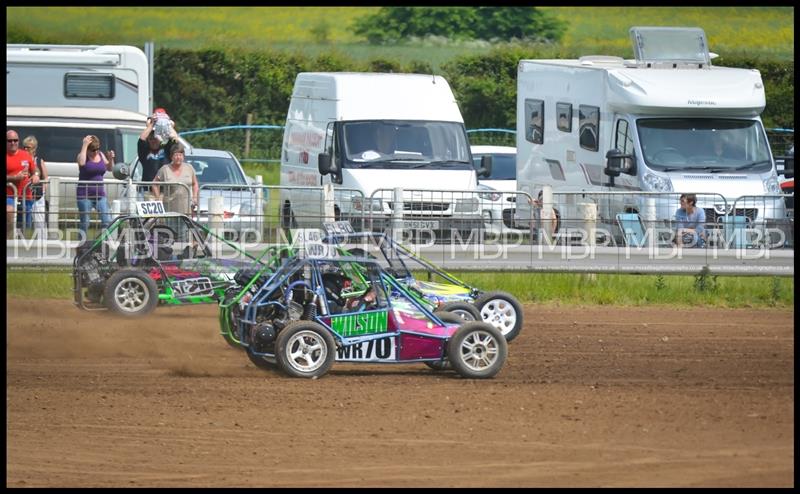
{"points": [[501, 310], [464, 310], [305, 349], [477, 350], [131, 293]]}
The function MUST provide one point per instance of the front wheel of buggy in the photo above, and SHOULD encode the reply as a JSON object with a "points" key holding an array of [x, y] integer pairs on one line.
{"points": [[305, 349], [131, 293], [501, 310], [477, 350]]}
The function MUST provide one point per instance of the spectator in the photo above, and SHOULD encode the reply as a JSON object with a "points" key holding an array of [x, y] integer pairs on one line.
{"points": [[92, 165], [555, 218], [152, 156], [41, 205], [177, 198], [721, 150], [19, 168], [691, 221]]}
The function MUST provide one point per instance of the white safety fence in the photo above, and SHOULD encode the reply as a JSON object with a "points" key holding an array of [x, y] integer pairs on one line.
{"points": [[257, 214]]}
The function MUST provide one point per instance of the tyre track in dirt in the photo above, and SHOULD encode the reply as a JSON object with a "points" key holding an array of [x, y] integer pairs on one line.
{"points": [[589, 396]]}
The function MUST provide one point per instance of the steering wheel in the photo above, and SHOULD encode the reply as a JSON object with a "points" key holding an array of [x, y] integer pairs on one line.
{"points": [[667, 150]]}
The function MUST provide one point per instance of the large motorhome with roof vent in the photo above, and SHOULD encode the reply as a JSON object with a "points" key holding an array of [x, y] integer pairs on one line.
{"points": [[600, 124]]}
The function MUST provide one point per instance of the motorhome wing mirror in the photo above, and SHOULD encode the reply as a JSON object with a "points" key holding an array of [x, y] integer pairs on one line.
{"points": [[613, 163], [486, 166], [324, 164], [617, 163]]}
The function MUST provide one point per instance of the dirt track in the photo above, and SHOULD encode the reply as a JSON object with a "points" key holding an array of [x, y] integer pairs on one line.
{"points": [[589, 397]]}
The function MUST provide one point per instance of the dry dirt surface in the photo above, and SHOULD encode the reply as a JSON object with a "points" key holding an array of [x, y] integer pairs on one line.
{"points": [[592, 396]]}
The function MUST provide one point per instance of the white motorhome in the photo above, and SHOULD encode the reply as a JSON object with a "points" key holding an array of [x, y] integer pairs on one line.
{"points": [[89, 76], [368, 133], [602, 123], [61, 93]]}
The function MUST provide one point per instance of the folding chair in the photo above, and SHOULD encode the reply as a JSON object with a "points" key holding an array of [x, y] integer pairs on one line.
{"points": [[735, 231], [633, 232]]}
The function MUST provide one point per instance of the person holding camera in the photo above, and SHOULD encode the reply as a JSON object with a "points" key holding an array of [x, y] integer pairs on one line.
{"points": [[91, 193], [152, 154]]}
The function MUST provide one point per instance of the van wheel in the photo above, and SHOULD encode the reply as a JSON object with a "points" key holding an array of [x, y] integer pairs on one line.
{"points": [[287, 217]]}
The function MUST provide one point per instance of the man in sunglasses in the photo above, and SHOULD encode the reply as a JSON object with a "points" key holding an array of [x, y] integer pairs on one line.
{"points": [[20, 171]]}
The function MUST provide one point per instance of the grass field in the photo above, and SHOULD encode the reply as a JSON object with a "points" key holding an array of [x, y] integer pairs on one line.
{"points": [[605, 289], [767, 31]]}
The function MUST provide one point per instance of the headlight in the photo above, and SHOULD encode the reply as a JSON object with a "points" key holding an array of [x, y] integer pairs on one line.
{"points": [[657, 183], [490, 194], [771, 185]]}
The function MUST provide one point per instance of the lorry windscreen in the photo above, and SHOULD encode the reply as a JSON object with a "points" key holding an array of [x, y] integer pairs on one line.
{"points": [[405, 144], [716, 145]]}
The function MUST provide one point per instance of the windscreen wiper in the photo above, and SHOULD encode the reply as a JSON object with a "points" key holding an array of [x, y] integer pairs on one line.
{"points": [[749, 165]]}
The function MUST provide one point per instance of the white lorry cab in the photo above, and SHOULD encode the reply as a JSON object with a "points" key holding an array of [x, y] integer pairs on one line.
{"points": [[666, 122], [368, 134]]}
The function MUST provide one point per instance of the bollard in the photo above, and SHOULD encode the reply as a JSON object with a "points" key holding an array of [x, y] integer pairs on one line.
{"points": [[588, 212], [132, 197], [649, 218], [216, 211], [260, 205], [53, 195], [329, 212], [547, 212], [397, 214]]}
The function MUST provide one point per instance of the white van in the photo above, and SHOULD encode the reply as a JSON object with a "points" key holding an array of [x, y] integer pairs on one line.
{"points": [[368, 132], [602, 123]]}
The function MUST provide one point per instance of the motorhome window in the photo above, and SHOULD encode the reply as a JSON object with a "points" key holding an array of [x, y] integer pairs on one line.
{"points": [[91, 86], [534, 129], [589, 127], [564, 114], [62, 144], [704, 144], [624, 142], [405, 144]]}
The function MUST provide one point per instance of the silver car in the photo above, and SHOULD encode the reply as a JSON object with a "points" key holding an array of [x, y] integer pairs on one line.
{"points": [[220, 174]]}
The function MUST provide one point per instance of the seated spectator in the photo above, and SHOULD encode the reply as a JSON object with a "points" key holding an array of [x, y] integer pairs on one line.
{"points": [[690, 221]]}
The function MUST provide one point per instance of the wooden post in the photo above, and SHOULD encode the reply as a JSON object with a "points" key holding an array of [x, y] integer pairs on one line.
{"points": [[247, 135]]}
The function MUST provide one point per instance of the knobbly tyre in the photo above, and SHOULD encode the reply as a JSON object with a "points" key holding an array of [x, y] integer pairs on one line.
{"points": [[295, 321], [140, 262], [441, 290]]}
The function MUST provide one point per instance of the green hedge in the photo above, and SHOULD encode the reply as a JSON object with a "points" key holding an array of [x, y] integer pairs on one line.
{"points": [[211, 88]]}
